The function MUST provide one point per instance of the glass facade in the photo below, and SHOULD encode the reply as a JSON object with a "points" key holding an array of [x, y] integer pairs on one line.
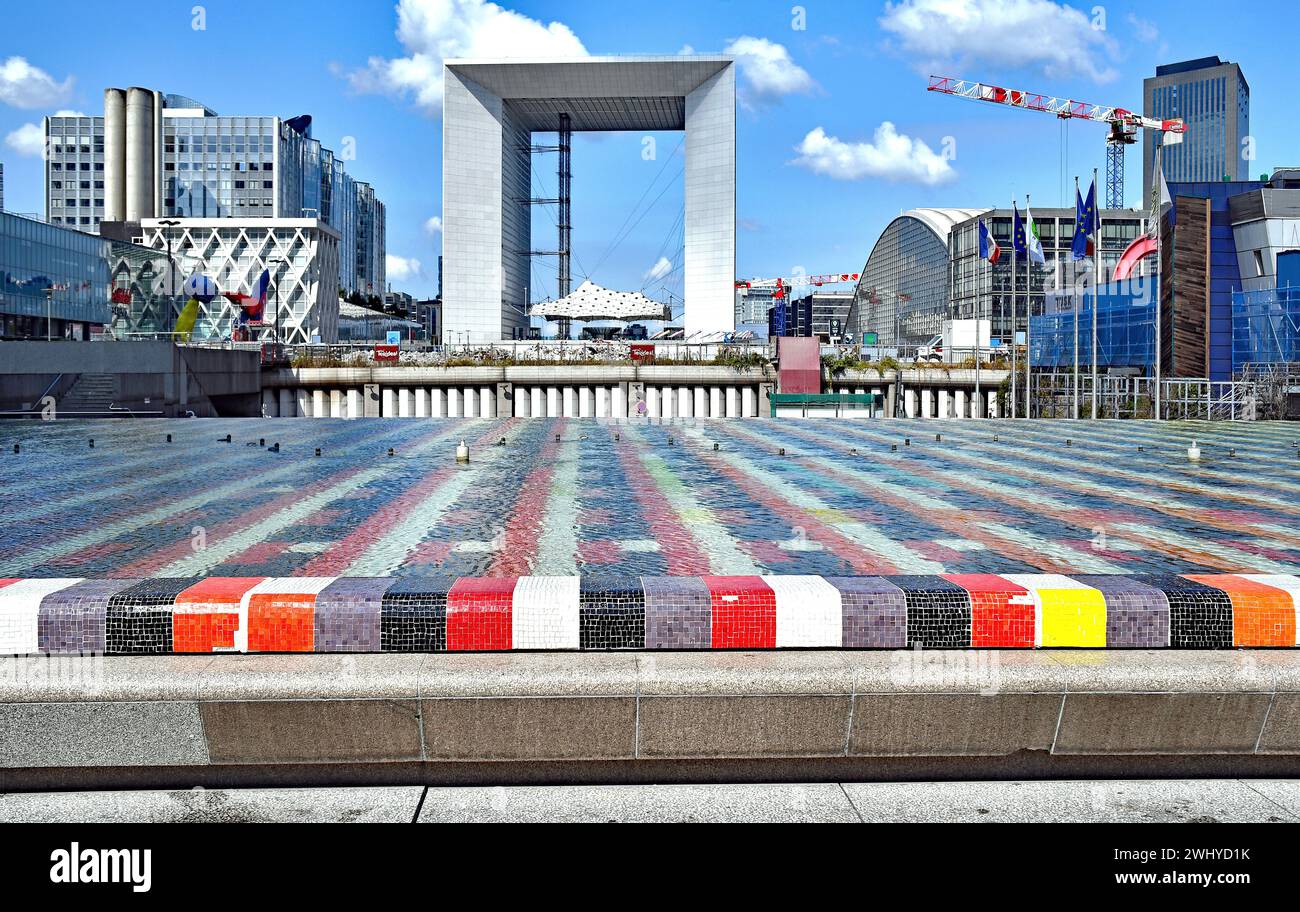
{"points": [[74, 171], [1126, 335], [53, 280], [903, 293], [1265, 327]]}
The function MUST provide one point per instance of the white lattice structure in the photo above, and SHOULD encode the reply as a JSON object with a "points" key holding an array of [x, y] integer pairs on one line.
{"points": [[233, 252]]}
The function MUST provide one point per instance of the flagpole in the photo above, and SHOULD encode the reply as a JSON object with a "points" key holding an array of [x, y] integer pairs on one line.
{"points": [[1096, 288], [979, 268], [1029, 309], [1159, 191], [1015, 317], [1077, 305]]}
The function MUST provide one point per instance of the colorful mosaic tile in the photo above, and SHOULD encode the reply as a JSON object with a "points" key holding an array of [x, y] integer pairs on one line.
{"points": [[612, 612], [678, 612], [1262, 615], [875, 612], [349, 615], [414, 614], [1069, 613], [210, 616], [1002, 613], [744, 612], [282, 613], [20, 608], [1200, 616], [1137, 614], [71, 620], [938, 612], [138, 619], [479, 614]]}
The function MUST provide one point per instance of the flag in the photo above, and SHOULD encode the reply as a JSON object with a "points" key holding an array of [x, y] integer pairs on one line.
{"points": [[1165, 198], [1018, 246], [1085, 223], [989, 249], [1035, 245]]}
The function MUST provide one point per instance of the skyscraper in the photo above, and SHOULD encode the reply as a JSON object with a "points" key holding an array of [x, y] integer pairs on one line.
{"points": [[1213, 99]]}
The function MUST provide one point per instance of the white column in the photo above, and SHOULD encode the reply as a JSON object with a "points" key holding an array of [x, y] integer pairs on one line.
{"points": [[652, 401], [715, 402], [304, 402], [944, 400], [584, 402], [354, 404], [961, 403], [404, 408], [619, 395], [701, 402], [993, 404], [336, 403], [570, 402], [602, 402], [270, 404], [553, 402], [684, 404], [421, 402], [733, 402], [537, 402], [438, 402], [487, 402], [749, 400], [319, 404], [909, 402], [927, 403], [523, 402], [667, 402], [453, 402], [388, 403], [470, 405]]}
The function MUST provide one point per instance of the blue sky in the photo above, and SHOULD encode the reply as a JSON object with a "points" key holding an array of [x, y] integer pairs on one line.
{"points": [[836, 132]]}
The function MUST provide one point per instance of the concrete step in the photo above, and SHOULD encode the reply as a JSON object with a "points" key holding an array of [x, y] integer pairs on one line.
{"points": [[1071, 801]]}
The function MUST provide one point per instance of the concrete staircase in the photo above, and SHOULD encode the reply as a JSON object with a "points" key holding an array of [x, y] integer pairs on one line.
{"points": [[91, 394]]}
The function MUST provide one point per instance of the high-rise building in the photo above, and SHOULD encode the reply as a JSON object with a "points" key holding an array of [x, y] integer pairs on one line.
{"points": [[1213, 100], [153, 155], [2, 186]]}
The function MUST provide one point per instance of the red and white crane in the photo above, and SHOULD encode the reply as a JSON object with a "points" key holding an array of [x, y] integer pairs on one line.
{"points": [[1124, 123], [778, 285]]}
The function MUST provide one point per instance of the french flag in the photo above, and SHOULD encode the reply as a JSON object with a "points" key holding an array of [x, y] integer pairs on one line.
{"points": [[254, 305], [989, 249]]}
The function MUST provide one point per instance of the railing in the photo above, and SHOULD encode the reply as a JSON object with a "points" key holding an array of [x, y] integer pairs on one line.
{"points": [[823, 405], [1182, 399]]}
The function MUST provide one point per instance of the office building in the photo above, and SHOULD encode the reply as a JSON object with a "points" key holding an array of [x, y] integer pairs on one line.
{"points": [[1212, 99], [153, 155]]}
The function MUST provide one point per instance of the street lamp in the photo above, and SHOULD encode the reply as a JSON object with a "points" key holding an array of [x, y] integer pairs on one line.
{"points": [[49, 322], [171, 266]]}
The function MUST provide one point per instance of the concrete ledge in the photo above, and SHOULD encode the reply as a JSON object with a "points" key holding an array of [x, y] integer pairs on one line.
{"points": [[72, 718]]}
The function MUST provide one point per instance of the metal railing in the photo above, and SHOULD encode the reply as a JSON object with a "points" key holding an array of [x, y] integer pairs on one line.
{"points": [[1181, 399]]}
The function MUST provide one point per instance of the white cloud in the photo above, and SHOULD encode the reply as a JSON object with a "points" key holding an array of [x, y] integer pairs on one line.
{"points": [[29, 139], [1056, 39], [1144, 29], [25, 86], [891, 155], [400, 269], [434, 30], [767, 69], [659, 269], [432, 225]]}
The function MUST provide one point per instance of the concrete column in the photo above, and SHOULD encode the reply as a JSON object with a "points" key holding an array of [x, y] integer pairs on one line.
{"points": [[909, 402], [667, 402], [570, 402], [733, 402], [319, 404], [336, 403], [388, 398], [890, 400], [715, 402], [701, 401], [353, 406], [961, 403], [749, 402], [469, 407], [304, 402], [945, 401], [140, 158], [684, 404], [619, 393], [270, 405], [438, 402], [404, 403], [487, 402], [421, 402], [523, 402], [114, 155], [584, 402], [993, 405], [553, 402], [927, 403], [287, 407], [652, 401], [602, 402], [454, 402], [536, 402]]}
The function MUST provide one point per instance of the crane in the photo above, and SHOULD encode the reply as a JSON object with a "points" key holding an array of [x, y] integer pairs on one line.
{"points": [[1124, 124], [778, 285]]}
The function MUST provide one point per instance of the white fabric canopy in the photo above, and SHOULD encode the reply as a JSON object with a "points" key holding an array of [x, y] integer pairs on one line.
{"points": [[592, 302]]}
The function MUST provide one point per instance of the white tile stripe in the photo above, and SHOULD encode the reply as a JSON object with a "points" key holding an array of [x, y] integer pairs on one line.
{"points": [[809, 611], [544, 613], [20, 607], [276, 585], [1288, 584]]}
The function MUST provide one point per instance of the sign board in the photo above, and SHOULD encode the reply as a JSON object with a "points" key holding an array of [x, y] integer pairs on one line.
{"points": [[386, 353], [642, 352], [394, 337], [870, 338]]}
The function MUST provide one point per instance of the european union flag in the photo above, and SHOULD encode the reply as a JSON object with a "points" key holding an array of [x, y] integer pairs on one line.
{"points": [[1085, 223], [1018, 242]]}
